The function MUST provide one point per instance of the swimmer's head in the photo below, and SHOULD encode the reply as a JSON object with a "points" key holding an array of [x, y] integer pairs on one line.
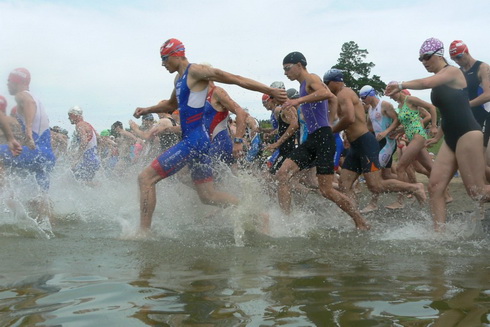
{"points": [[3, 104], [147, 117], [20, 76], [172, 47], [75, 110], [294, 58], [292, 93], [432, 46], [115, 128], [105, 132], [333, 75], [278, 85], [366, 91], [406, 92], [457, 48]]}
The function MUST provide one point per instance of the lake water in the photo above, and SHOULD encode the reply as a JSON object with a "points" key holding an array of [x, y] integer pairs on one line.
{"points": [[208, 267]]}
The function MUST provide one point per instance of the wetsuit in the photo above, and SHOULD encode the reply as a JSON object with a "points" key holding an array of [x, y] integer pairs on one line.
{"points": [[457, 118], [410, 119], [474, 88], [216, 123], [319, 147], [387, 145], [193, 149], [90, 161], [40, 160]]}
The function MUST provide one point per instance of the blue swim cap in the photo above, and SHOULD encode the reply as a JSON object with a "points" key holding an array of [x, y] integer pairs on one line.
{"points": [[367, 90], [333, 75]]}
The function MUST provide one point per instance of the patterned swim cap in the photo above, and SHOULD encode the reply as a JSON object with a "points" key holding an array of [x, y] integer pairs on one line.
{"points": [[432, 46], [172, 47]]}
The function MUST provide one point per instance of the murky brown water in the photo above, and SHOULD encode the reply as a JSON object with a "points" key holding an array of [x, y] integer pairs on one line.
{"points": [[199, 270]]}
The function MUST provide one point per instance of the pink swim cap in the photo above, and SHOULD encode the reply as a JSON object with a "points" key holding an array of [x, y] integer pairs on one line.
{"points": [[20, 76], [432, 46], [3, 104]]}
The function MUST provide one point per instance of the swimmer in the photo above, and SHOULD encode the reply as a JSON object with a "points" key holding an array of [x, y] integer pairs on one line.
{"points": [[189, 95], [318, 105], [363, 156], [86, 160], [463, 140]]}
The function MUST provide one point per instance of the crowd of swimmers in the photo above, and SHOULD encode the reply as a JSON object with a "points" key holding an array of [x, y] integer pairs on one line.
{"points": [[322, 137]]}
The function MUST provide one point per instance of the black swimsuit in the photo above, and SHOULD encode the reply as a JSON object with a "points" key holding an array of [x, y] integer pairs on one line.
{"points": [[457, 118]]}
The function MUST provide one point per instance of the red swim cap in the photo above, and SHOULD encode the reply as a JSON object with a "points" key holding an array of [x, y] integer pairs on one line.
{"points": [[406, 92], [20, 76], [457, 47], [172, 47], [3, 104], [265, 97]]}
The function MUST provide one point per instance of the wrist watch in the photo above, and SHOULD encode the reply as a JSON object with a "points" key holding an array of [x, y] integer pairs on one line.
{"points": [[237, 140]]}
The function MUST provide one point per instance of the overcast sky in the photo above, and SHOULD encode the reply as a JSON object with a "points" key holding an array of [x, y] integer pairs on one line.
{"points": [[104, 55]]}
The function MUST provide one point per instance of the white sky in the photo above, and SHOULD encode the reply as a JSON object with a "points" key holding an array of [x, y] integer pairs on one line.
{"points": [[104, 55]]}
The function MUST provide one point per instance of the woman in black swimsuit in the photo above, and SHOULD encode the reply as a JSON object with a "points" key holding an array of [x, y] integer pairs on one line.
{"points": [[463, 144]]}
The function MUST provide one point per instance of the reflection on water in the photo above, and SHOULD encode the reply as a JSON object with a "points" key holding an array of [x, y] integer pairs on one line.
{"points": [[315, 270]]}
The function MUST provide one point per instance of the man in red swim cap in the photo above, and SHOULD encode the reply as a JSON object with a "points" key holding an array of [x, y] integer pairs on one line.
{"points": [[477, 74], [189, 96]]}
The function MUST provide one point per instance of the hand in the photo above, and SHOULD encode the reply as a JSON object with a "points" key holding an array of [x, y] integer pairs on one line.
{"points": [[279, 95], [431, 142], [133, 125], [139, 112], [391, 89], [380, 136], [272, 147], [290, 103], [15, 147]]}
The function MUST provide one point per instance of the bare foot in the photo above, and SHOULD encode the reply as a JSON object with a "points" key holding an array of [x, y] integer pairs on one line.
{"points": [[420, 193], [369, 208], [395, 205]]}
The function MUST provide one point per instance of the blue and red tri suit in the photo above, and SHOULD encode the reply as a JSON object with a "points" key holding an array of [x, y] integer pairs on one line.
{"points": [[193, 149], [216, 123]]}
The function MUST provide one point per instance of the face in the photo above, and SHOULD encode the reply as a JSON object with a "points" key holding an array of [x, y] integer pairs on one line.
{"points": [[291, 71], [12, 87], [72, 118], [429, 61], [460, 59], [170, 63]]}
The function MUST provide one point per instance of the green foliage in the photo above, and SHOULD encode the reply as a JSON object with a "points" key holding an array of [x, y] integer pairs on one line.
{"points": [[356, 71]]}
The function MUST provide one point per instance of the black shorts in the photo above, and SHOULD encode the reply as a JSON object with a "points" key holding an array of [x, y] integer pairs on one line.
{"points": [[317, 151], [363, 155]]}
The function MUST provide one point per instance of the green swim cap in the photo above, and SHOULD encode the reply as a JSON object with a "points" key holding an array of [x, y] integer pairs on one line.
{"points": [[105, 132]]}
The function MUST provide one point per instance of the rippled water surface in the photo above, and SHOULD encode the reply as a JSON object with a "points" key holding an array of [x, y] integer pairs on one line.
{"points": [[208, 267]]}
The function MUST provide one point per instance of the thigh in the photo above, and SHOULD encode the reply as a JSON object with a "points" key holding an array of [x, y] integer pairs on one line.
{"points": [[444, 167], [412, 150], [470, 158]]}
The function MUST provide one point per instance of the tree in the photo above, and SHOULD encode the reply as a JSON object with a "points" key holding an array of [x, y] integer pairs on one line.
{"points": [[356, 71]]}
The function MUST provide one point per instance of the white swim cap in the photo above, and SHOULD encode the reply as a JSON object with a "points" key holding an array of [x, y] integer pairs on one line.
{"points": [[76, 110]]}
